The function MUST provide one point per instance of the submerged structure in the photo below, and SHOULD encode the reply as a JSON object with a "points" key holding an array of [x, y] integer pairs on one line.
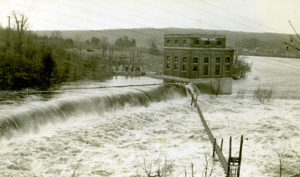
{"points": [[199, 58]]}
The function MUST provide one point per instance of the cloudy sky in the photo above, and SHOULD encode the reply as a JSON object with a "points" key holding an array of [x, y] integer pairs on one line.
{"points": [[234, 15]]}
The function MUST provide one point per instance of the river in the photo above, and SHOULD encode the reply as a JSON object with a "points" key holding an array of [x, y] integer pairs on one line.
{"points": [[120, 126]]}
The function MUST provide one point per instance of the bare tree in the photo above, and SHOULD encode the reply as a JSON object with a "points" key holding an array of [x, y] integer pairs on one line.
{"points": [[55, 35], [21, 25], [208, 172], [263, 94], [104, 46], [294, 41], [163, 169]]}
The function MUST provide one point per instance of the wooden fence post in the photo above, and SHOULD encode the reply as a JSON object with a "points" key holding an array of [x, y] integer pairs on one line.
{"points": [[221, 145], [229, 156], [240, 156], [214, 149], [192, 166]]}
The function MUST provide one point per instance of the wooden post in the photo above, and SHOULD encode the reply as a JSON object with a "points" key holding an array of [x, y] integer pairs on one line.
{"points": [[280, 167], [240, 156], [221, 145], [192, 166], [214, 149], [229, 156], [192, 99]]}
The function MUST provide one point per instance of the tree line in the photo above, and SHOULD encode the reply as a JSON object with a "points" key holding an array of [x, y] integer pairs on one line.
{"points": [[29, 60]]}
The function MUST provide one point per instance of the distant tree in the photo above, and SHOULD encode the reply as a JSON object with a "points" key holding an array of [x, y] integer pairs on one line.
{"points": [[69, 43], [153, 49], [133, 43], [56, 35], [104, 46], [240, 67], [124, 42], [251, 43], [87, 41], [95, 41], [48, 68]]}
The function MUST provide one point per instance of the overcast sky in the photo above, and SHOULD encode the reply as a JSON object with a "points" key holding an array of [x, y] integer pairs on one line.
{"points": [[234, 15]]}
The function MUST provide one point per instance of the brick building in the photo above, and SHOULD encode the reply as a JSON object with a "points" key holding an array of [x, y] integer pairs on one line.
{"points": [[198, 58]]}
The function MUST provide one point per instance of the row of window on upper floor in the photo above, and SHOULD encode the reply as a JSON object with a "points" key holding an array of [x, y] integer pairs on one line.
{"points": [[205, 68], [196, 42], [196, 59]]}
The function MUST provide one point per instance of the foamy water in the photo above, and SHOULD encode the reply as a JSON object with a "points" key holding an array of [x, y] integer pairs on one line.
{"points": [[101, 130], [114, 142]]}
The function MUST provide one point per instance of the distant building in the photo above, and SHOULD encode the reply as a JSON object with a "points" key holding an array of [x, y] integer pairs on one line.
{"points": [[126, 66], [198, 58]]}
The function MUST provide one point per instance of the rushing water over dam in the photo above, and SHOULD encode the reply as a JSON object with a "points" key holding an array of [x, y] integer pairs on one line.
{"points": [[91, 128], [80, 119], [32, 117]]}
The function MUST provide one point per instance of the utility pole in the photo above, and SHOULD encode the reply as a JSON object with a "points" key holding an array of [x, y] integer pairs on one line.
{"points": [[8, 21]]}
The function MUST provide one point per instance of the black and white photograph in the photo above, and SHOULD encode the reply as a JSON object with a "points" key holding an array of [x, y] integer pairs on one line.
{"points": [[149, 88]]}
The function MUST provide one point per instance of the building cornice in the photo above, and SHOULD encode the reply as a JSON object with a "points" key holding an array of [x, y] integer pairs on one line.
{"points": [[198, 48]]}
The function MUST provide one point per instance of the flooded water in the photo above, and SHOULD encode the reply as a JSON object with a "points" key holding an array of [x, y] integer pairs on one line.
{"points": [[100, 129], [116, 128]]}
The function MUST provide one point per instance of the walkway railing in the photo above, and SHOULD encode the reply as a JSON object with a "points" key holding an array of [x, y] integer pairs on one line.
{"points": [[232, 165]]}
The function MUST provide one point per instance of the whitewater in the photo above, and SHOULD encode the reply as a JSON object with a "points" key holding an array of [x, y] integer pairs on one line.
{"points": [[112, 128]]}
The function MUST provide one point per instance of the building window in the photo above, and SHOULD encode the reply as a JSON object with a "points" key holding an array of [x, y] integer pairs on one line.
{"points": [[183, 67], [167, 65], [206, 42], [206, 60], [227, 67], [168, 58], [218, 60], [219, 42], [168, 41], [195, 60], [184, 42], [184, 59], [175, 66], [195, 68], [196, 42], [217, 71], [227, 60], [175, 58], [205, 71], [176, 41]]}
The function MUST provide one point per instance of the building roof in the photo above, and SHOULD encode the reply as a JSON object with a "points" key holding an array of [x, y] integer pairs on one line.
{"points": [[196, 35]]}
